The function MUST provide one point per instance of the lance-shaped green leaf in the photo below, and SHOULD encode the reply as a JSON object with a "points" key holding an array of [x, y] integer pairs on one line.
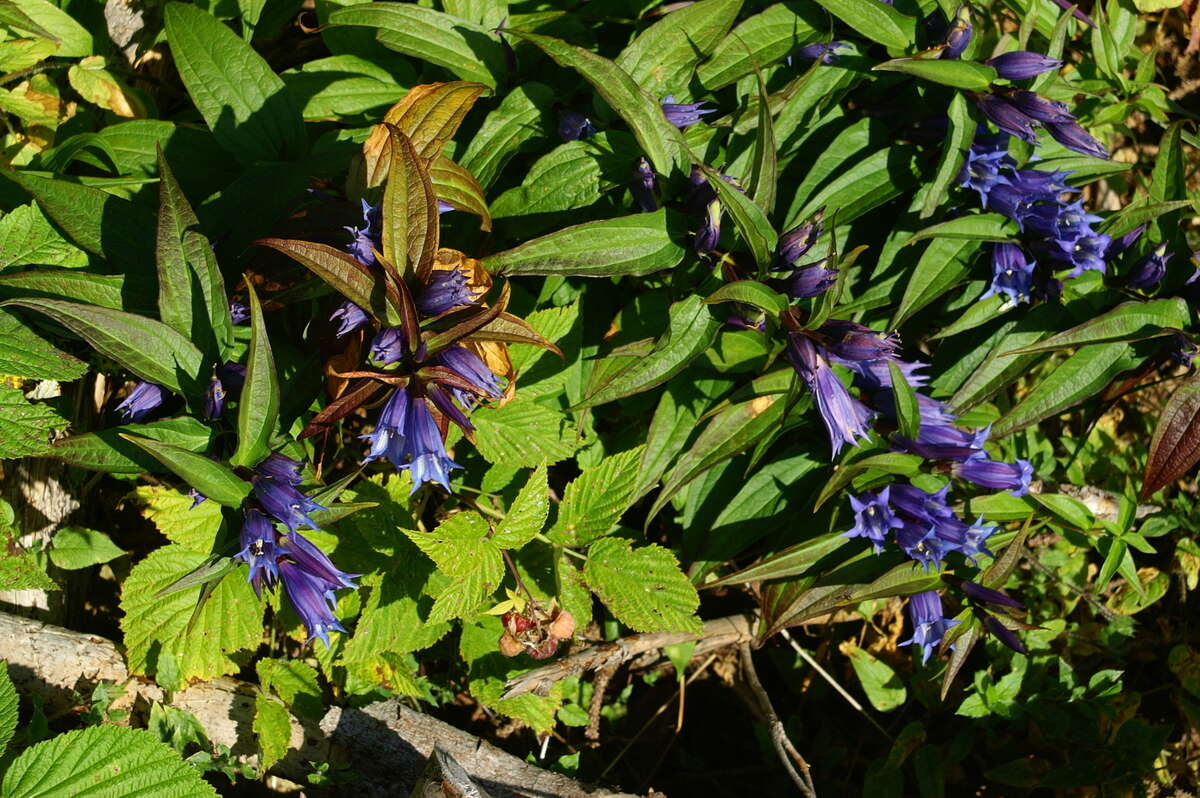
{"points": [[662, 58], [456, 186], [943, 265], [523, 114], [959, 136], [759, 40], [1129, 321], [764, 164], [793, 561], [729, 432], [241, 99], [1138, 213], [512, 330], [949, 72], [749, 219], [891, 463], [106, 450], [750, 292], [691, 330], [964, 642], [185, 262], [975, 227], [659, 139], [111, 291], [467, 49], [886, 25], [103, 224], [214, 480], [908, 412], [411, 228], [148, 348], [1078, 378], [342, 272], [1175, 448], [258, 409], [632, 245]]}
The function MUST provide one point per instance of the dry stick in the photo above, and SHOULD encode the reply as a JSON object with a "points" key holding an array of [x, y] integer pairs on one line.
{"points": [[599, 687], [804, 655], [788, 754]]}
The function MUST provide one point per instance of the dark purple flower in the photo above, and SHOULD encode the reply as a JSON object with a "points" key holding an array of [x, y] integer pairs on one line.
{"points": [[746, 323], [233, 376], [259, 549], [919, 505], [932, 411], [996, 474], [1002, 632], [281, 467], [1126, 241], [447, 289], [1073, 137], [810, 281], [873, 518], [683, 115], [1062, 222], [986, 595], [1040, 108], [471, 368], [144, 399], [710, 229], [1008, 117], [847, 340], [367, 237], [1022, 65], [795, 243], [349, 317], [214, 399], [308, 596], [916, 539], [846, 418], [929, 624], [387, 439], [573, 126], [825, 52], [316, 563], [1012, 273], [387, 346], [644, 185], [1086, 253], [239, 312], [1150, 270], [281, 500], [959, 35], [1181, 349], [875, 375], [197, 498]]}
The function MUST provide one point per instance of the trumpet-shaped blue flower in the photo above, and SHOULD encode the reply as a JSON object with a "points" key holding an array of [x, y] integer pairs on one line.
{"points": [[710, 229], [1074, 137], [259, 549], [387, 346], [1150, 270], [644, 184], [214, 398], [683, 115], [1012, 273], [365, 239], [929, 622], [846, 418], [349, 317], [144, 399], [309, 597], [447, 289], [873, 518], [996, 474], [573, 126], [1022, 65]]}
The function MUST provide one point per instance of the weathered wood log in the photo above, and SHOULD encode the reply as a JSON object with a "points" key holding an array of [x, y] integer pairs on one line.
{"points": [[386, 744]]}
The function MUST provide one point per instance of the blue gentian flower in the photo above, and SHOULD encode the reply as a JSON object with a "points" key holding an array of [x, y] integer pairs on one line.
{"points": [[643, 186], [1075, 138], [573, 126], [1043, 109], [920, 505], [471, 368], [387, 346], [144, 399], [1002, 632], [367, 237], [447, 289], [825, 52], [683, 115], [996, 474], [986, 167], [929, 622], [259, 549], [1150, 270], [239, 312], [1008, 117], [316, 563], [710, 229], [986, 595], [281, 467], [349, 317], [1012, 273], [809, 281], [309, 597], [875, 375], [1181, 349], [846, 418], [959, 35], [873, 518], [795, 243], [1063, 222], [1086, 253], [1022, 65], [917, 540], [279, 497], [197, 498], [214, 399], [425, 448], [847, 340]]}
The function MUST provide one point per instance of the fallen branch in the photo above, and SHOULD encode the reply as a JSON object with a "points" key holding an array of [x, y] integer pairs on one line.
{"points": [[732, 630], [386, 744]]}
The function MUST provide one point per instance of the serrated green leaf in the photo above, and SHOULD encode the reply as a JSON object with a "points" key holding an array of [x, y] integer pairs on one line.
{"points": [[25, 427], [8, 708], [272, 730], [258, 408], [527, 515], [27, 237], [523, 433], [103, 762], [643, 587], [24, 353], [75, 547], [215, 480], [957, 73], [295, 682], [661, 58], [194, 528], [628, 245], [461, 549], [596, 499], [241, 99], [19, 568], [224, 633]]}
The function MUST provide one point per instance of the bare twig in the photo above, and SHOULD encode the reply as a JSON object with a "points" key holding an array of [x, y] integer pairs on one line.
{"points": [[788, 755], [599, 688], [851, 700]]}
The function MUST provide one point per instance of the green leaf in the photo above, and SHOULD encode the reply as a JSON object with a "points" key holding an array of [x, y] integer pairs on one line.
{"points": [[8, 708], [293, 681], [750, 292], [959, 74], [19, 568], [148, 348], [943, 265], [272, 730], [172, 513], [25, 427], [1129, 321], [410, 234], [489, 671], [691, 331], [795, 560], [908, 412], [642, 587], [106, 450], [342, 272], [883, 687], [527, 515], [74, 548], [975, 227], [890, 463], [764, 165], [1079, 377], [761, 40], [663, 56], [886, 25], [106, 290], [103, 762], [73, 39], [341, 86], [24, 353], [462, 550], [458, 187], [26, 237], [216, 481], [959, 136], [524, 434], [596, 499], [520, 117], [258, 409], [878, 178], [1073, 511], [222, 635], [241, 99], [105, 225], [574, 174], [658, 138], [628, 245], [749, 219], [469, 50]]}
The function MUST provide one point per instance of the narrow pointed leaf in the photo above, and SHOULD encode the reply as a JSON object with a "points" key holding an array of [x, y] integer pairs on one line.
{"points": [[908, 413], [342, 272], [111, 291], [258, 409], [944, 264], [876, 21], [105, 450], [891, 463], [749, 219], [1175, 448], [339, 408], [759, 40], [750, 292], [954, 153], [793, 561], [959, 74], [661, 58], [764, 165], [456, 186], [214, 480], [1129, 321], [512, 330], [410, 232]]}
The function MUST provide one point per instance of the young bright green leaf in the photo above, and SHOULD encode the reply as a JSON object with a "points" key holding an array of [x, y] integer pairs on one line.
{"points": [[628, 245], [74, 40], [642, 587], [148, 348], [241, 99], [25, 427], [523, 433], [527, 515], [908, 413], [295, 682], [1129, 321], [462, 550], [258, 409], [103, 762], [661, 58], [750, 292], [761, 39], [959, 74], [19, 568], [272, 729], [106, 450], [74, 547], [886, 25], [25, 353], [596, 499], [214, 480]]}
